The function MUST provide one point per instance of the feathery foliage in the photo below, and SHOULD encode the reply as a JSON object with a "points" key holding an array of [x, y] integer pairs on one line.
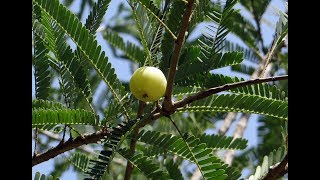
{"points": [[190, 148], [80, 161], [41, 68], [95, 17], [214, 80], [173, 170], [39, 176], [71, 70], [223, 142], [97, 168], [133, 52], [273, 158], [63, 116], [144, 164], [42, 104], [240, 103], [85, 41]]}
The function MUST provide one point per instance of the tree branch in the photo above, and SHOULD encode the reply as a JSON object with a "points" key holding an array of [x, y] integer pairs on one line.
{"points": [[69, 145], [133, 142], [278, 170], [208, 92], [156, 114], [167, 104], [56, 137]]}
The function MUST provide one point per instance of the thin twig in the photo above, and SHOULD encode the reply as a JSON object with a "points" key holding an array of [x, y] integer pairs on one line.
{"points": [[208, 92], [143, 40], [268, 57], [71, 128], [161, 22], [133, 141], [64, 133], [257, 20], [167, 104], [175, 125], [185, 141]]}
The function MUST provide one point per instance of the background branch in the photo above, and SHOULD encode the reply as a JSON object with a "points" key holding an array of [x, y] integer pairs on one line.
{"points": [[238, 133], [231, 116], [133, 141], [35, 142]]}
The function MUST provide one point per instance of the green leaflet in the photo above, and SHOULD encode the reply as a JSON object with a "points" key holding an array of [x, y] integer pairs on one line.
{"points": [[96, 15], [92, 23], [153, 18], [42, 104], [173, 21], [145, 164], [217, 142], [240, 103], [41, 66], [73, 78], [144, 28], [63, 116], [263, 90], [80, 161], [273, 158], [281, 29], [98, 167], [133, 52], [248, 54], [223, 24], [173, 170], [200, 12], [242, 68], [193, 150], [245, 30], [39, 176], [194, 66], [85, 41]]}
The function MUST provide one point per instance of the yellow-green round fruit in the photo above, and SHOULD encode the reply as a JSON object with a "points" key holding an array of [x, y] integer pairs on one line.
{"points": [[148, 84]]}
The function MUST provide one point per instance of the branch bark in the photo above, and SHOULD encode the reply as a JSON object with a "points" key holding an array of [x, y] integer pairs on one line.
{"points": [[69, 145], [167, 104], [278, 170]]}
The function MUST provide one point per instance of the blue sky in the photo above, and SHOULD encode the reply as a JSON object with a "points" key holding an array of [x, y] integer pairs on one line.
{"points": [[122, 70]]}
